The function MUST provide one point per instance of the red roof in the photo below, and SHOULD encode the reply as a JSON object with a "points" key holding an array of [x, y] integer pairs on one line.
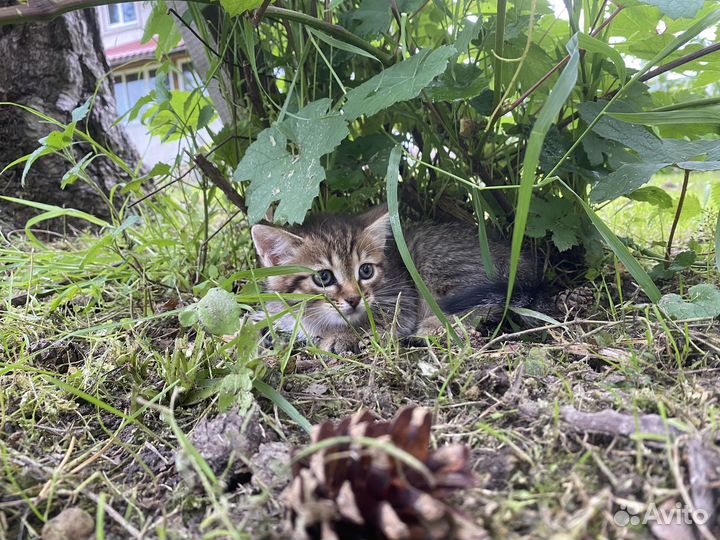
{"points": [[130, 51], [134, 51]]}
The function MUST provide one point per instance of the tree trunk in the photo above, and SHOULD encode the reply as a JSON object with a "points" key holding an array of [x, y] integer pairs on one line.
{"points": [[54, 68]]}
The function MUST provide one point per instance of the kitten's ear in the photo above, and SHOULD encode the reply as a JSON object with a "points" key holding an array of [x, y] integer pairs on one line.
{"points": [[274, 246], [378, 224]]}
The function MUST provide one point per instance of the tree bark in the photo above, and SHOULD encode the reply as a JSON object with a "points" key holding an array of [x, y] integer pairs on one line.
{"points": [[55, 67]]}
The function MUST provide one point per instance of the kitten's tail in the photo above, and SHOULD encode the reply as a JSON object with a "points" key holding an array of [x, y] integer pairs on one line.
{"points": [[490, 296]]}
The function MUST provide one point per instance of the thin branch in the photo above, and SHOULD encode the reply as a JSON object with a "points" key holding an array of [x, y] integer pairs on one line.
{"points": [[668, 250], [680, 61], [259, 12], [47, 10], [217, 178]]}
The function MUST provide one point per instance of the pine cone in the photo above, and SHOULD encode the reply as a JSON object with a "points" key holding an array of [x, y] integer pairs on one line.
{"points": [[364, 489]]}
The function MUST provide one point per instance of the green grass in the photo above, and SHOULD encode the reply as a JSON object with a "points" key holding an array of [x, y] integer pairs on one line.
{"points": [[101, 388]]}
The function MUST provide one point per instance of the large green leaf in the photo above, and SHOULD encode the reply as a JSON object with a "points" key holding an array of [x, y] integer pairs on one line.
{"points": [[292, 179], [677, 8], [635, 137], [626, 179], [652, 195], [703, 301], [460, 81], [400, 82], [370, 19]]}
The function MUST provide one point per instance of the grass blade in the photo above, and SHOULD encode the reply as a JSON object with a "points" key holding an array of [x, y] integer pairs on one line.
{"points": [[717, 244], [557, 98], [283, 404], [392, 178], [620, 250]]}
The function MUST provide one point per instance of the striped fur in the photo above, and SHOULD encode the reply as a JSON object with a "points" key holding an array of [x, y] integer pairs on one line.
{"points": [[447, 256]]}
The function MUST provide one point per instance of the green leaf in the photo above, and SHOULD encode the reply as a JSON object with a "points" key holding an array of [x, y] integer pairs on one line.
{"points": [[219, 312], [161, 24], [236, 391], [683, 261], [677, 8], [690, 116], [292, 179], [652, 195], [460, 81], [162, 91], [558, 216], [703, 302], [699, 165], [238, 7], [71, 176], [400, 82], [189, 316], [370, 19], [594, 45], [549, 112], [207, 114], [82, 111], [628, 178], [470, 31], [171, 120], [347, 47], [635, 137], [32, 158]]}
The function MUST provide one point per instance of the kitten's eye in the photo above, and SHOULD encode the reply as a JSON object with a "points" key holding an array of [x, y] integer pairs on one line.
{"points": [[324, 278], [366, 271]]}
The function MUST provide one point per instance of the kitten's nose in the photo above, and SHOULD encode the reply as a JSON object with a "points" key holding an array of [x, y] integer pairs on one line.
{"points": [[353, 301]]}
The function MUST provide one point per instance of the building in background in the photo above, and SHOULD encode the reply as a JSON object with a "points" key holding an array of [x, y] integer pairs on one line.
{"points": [[133, 67]]}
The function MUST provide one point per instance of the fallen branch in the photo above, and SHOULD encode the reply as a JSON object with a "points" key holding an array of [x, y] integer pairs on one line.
{"points": [[615, 423]]}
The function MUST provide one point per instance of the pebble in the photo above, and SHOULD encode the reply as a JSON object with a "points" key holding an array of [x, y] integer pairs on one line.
{"points": [[73, 523]]}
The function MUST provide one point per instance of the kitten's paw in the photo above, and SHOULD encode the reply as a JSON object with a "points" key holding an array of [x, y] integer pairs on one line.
{"points": [[577, 302], [339, 344], [430, 327]]}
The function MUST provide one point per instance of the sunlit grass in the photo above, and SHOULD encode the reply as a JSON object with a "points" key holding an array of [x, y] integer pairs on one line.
{"points": [[649, 226]]}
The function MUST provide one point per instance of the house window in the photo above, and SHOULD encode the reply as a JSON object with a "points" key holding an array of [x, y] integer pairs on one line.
{"points": [[120, 14], [130, 87]]}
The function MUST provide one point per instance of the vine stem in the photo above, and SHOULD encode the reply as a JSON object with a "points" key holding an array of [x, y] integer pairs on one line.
{"points": [[499, 47], [557, 67], [683, 192]]}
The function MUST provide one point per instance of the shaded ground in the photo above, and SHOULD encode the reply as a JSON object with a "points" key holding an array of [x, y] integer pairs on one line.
{"points": [[544, 471], [105, 406]]}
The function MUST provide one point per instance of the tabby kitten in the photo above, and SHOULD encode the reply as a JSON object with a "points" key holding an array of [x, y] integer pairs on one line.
{"points": [[357, 266]]}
